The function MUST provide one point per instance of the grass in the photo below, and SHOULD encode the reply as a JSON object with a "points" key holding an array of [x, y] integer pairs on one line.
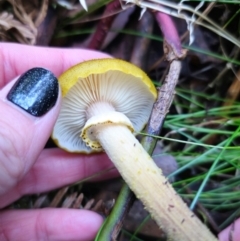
{"points": [[214, 181]]}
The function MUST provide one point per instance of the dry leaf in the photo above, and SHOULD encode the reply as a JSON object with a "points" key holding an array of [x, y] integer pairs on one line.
{"points": [[8, 23], [21, 22]]}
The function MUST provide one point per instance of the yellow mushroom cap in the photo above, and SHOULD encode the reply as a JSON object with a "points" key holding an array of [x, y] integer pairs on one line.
{"points": [[118, 84]]}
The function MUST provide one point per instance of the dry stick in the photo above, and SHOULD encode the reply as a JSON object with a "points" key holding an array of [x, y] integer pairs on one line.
{"points": [[161, 106], [69, 200], [58, 197], [78, 202], [40, 201]]}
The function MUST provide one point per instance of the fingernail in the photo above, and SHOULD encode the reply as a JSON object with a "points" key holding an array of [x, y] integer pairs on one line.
{"points": [[36, 91]]}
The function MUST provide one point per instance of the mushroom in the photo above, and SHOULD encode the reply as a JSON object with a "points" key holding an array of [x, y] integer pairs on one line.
{"points": [[105, 103]]}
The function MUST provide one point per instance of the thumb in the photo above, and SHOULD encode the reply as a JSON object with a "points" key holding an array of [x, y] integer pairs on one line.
{"points": [[28, 110]]}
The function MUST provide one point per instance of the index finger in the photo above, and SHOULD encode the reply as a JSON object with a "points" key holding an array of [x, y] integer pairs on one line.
{"points": [[18, 58]]}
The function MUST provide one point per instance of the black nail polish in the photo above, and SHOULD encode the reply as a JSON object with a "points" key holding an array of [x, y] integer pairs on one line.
{"points": [[36, 91]]}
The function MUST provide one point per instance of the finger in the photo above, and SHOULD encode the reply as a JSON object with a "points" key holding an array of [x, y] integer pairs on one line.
{"points": [[17, 59], [28, 111], [49, 224], [231, 233], [56, 168]]}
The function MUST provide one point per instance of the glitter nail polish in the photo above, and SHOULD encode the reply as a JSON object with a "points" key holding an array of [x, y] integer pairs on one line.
{"points": [[36, 91]]}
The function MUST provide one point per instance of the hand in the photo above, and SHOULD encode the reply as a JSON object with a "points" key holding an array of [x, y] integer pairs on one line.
{"points": [[231, 233], [26, 122]]}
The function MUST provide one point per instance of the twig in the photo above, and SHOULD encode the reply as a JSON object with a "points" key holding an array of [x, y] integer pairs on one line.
{"points": [[161, 106], [58, 197]]}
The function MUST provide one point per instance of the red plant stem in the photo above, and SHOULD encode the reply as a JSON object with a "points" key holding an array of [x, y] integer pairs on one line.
{"points": [[104, 25], [170, 33]]}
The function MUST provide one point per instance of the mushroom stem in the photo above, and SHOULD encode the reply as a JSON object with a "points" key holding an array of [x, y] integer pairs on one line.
{"points": [[150, 186]]}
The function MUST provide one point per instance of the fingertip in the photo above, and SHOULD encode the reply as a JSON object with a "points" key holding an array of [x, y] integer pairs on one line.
{"points": [[84, 224], [49, 224], [69, 224], [232, 232]]}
